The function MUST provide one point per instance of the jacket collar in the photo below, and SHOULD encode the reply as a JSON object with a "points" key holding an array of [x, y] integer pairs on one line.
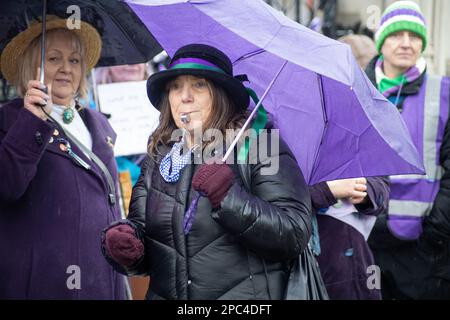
{"points": [[409, 89]]}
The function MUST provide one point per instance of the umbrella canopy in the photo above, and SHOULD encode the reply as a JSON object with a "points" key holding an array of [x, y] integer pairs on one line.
{"points": [[125, 39], [331, 116]]}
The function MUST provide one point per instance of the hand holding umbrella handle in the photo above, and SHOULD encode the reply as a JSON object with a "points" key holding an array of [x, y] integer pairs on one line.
{"points": [[37, 99]]}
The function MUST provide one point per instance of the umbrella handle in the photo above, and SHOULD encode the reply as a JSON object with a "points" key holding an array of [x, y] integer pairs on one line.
{"points": [[44, 16], [244, 127]]}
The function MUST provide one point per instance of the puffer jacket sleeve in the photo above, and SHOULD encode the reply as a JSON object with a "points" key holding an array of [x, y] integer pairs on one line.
{"points": [[274, 220], [138, 201], [136, 215], [437, 224]]}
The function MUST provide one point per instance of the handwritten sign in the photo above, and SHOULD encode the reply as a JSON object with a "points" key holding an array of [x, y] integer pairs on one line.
{"points": [[133, 117]]}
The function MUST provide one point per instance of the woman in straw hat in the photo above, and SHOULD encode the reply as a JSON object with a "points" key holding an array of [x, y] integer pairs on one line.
{"points": [[54, 198], [210, 231]]}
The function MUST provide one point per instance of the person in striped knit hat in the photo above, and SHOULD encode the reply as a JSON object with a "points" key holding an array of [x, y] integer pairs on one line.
{"points": [[411, 242], [399, 64]]}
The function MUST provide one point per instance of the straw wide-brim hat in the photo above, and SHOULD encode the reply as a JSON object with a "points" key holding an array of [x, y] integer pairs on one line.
{"points": [[15, 49]]}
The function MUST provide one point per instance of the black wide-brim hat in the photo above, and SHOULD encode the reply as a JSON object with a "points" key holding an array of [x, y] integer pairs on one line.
{"points": [[202, 61]]}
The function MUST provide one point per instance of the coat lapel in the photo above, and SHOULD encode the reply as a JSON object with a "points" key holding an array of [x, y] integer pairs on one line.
{"points": [[102, 144], [103, 137]]}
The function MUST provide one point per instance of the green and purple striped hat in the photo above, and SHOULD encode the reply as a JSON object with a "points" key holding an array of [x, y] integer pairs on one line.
{"points": [[202, 61], [400, 16]]}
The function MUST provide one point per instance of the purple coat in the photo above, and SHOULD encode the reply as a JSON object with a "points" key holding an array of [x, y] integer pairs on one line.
{"points": [[52, 211], [345, 255]]}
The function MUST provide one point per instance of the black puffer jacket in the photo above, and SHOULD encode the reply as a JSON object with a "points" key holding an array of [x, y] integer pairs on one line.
{"points": [[240, 251]]}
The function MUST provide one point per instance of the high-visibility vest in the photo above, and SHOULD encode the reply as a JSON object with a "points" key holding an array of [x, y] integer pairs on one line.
{"points": [[412, 196]]}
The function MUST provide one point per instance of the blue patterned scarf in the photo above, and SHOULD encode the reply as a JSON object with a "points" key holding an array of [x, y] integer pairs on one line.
{"points": [[172, 164]]}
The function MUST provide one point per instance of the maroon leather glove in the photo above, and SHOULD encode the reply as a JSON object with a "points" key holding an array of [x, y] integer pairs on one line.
{"points": [[122, 245], [214, 181]]}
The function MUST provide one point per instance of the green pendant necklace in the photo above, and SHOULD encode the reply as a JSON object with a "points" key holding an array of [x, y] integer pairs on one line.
{"points": [[68, 115]]}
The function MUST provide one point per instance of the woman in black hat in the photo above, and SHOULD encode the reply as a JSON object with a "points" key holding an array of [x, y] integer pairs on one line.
{"points": [[196, 228]]}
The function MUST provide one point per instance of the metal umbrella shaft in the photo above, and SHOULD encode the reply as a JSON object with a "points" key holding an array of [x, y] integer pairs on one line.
{"points": [[247, 122], [44, 14]]}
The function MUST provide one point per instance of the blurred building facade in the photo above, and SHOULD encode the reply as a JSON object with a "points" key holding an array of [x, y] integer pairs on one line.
{"points": [[354, 16]]}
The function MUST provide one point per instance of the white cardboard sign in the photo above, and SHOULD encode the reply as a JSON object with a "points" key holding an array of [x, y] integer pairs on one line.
{"points": [[133, 117]]}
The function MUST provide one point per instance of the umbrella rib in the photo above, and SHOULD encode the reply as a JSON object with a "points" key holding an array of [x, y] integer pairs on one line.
{"points": [[322, 103], [249, 55], [260, 50], [325, 120]]}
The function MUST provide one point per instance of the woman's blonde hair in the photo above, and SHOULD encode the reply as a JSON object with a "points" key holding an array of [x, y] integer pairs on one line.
{"points": [[31, 59]]}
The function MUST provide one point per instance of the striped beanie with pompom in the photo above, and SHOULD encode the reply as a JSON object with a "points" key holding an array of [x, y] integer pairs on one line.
{"points": [[401, 16]]}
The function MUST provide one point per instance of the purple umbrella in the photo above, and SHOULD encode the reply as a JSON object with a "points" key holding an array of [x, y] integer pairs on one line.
{"points": [[336, 123]]}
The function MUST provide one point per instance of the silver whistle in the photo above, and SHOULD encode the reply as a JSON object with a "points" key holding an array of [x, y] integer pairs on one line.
{"points": [[184, 117]]}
